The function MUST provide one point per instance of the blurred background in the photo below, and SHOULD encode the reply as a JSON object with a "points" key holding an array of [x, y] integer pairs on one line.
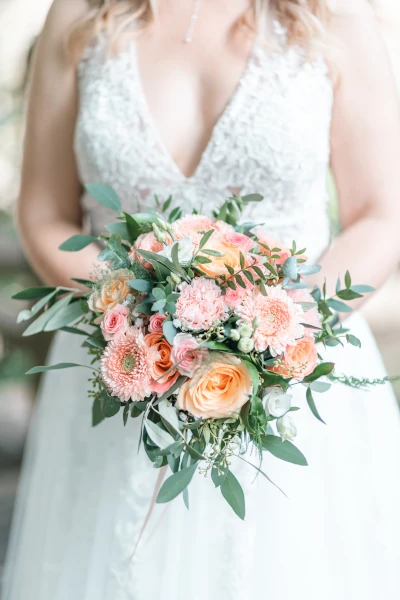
{"points": [[20, 23]]}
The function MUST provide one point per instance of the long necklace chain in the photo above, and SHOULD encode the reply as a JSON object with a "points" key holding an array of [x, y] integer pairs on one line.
{"points": [[193, 19]]}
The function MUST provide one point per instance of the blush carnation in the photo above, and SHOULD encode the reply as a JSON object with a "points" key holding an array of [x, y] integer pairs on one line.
{"points": [[201, 305], [312, 316], [278, 316], [126, 366]]}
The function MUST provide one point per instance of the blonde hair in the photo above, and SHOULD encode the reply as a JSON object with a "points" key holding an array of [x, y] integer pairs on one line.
{"points": [[304, 20]]}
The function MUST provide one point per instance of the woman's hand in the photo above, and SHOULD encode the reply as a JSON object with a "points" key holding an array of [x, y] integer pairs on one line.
{"points": [[365, 151], [49, 205]]}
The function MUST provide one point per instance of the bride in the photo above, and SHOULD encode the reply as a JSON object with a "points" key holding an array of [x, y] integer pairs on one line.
{"points": [[202, 98]]}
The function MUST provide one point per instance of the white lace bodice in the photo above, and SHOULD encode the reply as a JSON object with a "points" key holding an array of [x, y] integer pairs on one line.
{"points": [[272, 138]]}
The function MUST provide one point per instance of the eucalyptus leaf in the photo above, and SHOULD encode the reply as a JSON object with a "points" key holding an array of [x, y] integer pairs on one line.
{"points": [[284, 450], [175, 484], [233, 493], [105, 195], [39, 324], [157, 435], [34, 293], [110, 405], [169, 413], [319, 371], [66, 315], [218, 474], [56, 367], [169, 331], [290, 267], [140, 285], [312, 405], [77, 242], [97, 413]]}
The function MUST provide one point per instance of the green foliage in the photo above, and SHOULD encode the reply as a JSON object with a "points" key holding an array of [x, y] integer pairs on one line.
{"points": [[105, 195], [284, 450], [77, 243], [233, 493]]}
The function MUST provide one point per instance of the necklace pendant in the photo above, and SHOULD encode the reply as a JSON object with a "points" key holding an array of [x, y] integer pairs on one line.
{"points": [[192, 24]]}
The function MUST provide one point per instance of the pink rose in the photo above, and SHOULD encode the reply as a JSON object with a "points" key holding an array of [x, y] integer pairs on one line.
{"points": [[240, 240], [156, 322], [186, 354], [234, 297], [115, 322]]}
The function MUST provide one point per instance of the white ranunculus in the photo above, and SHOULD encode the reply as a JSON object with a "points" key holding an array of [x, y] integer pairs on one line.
{"points": [[276, 402], [185, 253], [286, 428]]}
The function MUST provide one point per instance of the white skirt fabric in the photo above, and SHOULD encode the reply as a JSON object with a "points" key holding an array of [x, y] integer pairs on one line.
{"points": [[85, 492]]}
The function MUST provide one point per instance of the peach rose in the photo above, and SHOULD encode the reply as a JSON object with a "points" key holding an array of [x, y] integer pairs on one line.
{"points": [[115, 322], [195, 226], [218, 390], [299, 360], [160, 367], [186, 352], [156, 322], [234, 297], [146, 241], [112, 292], [231, 257]]}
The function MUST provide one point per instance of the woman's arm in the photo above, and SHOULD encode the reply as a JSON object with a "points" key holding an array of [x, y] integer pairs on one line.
{"points": [[365, 152], [49, 204]]}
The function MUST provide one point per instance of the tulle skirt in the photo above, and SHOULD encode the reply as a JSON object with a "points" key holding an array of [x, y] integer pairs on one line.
{"points": [[85, 492]]}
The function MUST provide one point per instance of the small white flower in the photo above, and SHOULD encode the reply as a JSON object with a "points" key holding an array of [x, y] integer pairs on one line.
{"points": [[234, 335], [245, 331], [177, 323], [245, 345], [185, 252], [139, 322], [276, 402], [286, 428]]}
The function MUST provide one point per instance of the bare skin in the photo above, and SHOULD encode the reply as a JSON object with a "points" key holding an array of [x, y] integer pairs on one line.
{"points": [[186, 90]]}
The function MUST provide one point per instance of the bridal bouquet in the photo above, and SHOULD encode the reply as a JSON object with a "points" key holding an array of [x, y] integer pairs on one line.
{"points": [[199, 326]]}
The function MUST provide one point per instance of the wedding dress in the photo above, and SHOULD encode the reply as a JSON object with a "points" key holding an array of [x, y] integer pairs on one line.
{"points": [[85, 492]]}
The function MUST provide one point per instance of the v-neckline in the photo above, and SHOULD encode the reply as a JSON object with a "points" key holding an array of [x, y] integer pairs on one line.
{"points": [[149, 119]]}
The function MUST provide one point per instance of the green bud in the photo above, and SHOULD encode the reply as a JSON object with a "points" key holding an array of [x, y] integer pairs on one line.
{"points": [[160, 235], [175, 278], [256, 322], [245, 345], [162, 224], [245, 331], [234, 335]]}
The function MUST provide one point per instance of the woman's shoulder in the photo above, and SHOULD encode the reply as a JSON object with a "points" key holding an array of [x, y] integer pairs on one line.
{"points": [[62, 15]]}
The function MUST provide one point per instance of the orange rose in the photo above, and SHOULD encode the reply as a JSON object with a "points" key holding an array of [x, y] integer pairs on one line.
{"points": [[161, 366], [113, 291], [231, 257], [298, 361], [217, 391]]}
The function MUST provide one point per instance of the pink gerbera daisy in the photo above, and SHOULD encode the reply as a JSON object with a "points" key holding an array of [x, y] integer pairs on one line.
{"points": [[126, 366], [278, 316]]}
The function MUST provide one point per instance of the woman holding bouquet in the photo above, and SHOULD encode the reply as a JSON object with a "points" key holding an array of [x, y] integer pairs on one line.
{"points": [[201, 99]]}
